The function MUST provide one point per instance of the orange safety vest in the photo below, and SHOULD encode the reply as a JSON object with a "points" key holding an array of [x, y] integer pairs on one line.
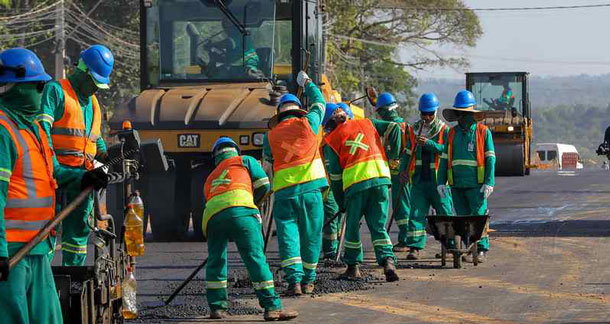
{"points": [[229, 185], [480, 134], [360, 152], [296, 154], [69, 134], [437, 157], [30, 202]]}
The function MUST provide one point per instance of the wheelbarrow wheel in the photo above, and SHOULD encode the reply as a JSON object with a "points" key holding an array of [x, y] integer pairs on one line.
{"points": [[443, 255], [475, 254], [457, 255]]}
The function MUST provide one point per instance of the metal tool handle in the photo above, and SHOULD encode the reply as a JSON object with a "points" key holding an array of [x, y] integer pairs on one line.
{"points": [[46, 230], [300, 89], [185, 282]]}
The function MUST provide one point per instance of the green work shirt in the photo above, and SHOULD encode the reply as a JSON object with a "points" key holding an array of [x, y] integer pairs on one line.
{"points": [[465, 148], [315, 115], [8, 158], [260, 185], [432, 148], [333, 166], [52, 109]]}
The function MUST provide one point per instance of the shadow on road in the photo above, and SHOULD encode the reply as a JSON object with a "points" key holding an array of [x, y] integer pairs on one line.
{"points": [[568, 228]]}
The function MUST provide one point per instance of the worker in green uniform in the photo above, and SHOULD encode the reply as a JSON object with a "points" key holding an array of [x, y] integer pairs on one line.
{"points": [[71, 117], [27, 192], [293, 146], [231, 191], [332, 216], [469, 163], [386, 108], [419, 166], [360, 178]]}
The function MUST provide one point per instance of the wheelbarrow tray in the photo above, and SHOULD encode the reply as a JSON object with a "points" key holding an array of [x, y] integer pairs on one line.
{"points": [[464, 231]]}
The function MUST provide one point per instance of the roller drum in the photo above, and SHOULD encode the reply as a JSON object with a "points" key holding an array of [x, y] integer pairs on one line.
{"points": [[510, 159]]}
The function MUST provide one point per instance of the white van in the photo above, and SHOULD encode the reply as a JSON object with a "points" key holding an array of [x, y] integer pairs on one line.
{"points": [[556, 155]]}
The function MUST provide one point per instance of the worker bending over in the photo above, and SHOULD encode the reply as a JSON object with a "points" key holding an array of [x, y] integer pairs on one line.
{"points": [[387, 109], [360, 177], [419, 167], [72, 118], [299, 178], [27, 192], [470, 163], [232, 192]]}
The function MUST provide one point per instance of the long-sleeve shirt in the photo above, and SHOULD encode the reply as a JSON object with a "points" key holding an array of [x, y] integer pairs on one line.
{"points": [[52, 109], [260, 185], [424, 157], [315, 115], [465, 149], [335, 171], [8, 158]]}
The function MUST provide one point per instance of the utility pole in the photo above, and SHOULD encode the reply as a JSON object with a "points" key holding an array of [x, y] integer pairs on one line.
{"points": [[60, 41]]}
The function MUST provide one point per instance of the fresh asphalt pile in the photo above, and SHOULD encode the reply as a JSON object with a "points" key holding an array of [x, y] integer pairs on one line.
{"points": [[192, 302]]}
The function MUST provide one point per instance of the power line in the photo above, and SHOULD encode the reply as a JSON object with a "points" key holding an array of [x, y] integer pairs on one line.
{"points": [[588, 6]]}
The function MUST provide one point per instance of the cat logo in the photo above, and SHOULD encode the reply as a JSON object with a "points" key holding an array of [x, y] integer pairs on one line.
{"points": [[188, 140]]}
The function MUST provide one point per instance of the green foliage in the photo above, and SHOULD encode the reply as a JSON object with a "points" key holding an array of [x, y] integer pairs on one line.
{"points": [[382, 45]]}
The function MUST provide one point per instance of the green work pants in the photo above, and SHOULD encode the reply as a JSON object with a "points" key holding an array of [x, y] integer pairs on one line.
{"points": [[401, 207], [423, 196], [245, 231], [372, 203], [299, 223], [330, 232], [75, 228], [29, 295], [471, 202]]}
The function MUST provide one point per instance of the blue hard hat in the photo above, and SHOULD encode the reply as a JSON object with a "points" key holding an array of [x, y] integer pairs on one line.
{"points": [[100, 62], [347, 109], [288, 98], [330, 110], [428, 102], [464, 99], [21, 65], [224, 140], [385, 99]]}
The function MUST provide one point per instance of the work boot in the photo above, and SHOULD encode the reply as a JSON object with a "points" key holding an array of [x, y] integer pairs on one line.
{"points": [[307, 288], [413, 254], [352, 272], [293, 290], [329, 256], [467, 258], [481, 257], [389, 270], [218, 314], [280, 315], [400, 247]]}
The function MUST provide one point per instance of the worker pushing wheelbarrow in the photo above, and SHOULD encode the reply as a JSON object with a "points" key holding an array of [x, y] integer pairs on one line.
{"points": [[458, 235]]}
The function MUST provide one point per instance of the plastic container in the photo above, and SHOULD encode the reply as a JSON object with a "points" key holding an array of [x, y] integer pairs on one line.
{"points": [[129, 288], [134, 230]]}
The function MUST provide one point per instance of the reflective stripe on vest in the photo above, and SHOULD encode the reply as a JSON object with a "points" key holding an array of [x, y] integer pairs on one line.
{"points": [[296, 154], [72, 144], [480, 134], [361, 154], [30, 202], [437, 157], [229, 185]]}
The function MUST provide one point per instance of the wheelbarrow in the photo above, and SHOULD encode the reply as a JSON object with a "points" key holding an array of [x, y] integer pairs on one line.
{"points": [[465, 231]]}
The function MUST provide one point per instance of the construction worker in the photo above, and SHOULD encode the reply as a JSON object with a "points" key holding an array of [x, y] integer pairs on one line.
{"points": [[332, 216], [72, 118], [299, 178], [360, 177], [386, 108], [27, 192], [468, 164], [232, 191], [419, 166]]}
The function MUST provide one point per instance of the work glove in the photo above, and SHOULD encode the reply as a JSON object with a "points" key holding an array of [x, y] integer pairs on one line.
{"points": [[96, 178], [302, 79], [4, 268], [442, 190], [404, 177], [487, 190]]}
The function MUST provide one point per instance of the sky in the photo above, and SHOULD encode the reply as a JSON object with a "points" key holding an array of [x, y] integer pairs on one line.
{"points": [[544, 43]]}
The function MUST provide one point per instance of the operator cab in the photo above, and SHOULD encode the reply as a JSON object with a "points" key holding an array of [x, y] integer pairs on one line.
{"points": [[500, 92]]}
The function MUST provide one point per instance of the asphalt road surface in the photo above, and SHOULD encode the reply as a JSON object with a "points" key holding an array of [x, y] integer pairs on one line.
{"points": [[550, 234]]}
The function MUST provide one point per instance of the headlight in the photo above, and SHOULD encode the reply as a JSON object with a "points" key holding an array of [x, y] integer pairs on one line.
{"points": [[257, 139], [511, 128]]}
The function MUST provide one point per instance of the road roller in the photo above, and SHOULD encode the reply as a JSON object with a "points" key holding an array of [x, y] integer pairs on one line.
{"points": [[504, 98]]}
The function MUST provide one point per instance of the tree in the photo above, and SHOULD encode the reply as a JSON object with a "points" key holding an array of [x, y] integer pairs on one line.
{"points": [[367, 40]]}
